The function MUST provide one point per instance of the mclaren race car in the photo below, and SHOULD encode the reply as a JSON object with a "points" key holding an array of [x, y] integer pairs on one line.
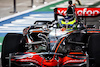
{"points": [[45, 44]]}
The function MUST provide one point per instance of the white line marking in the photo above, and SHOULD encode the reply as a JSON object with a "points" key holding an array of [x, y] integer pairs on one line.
{"points": [[8, 24], [35, 15], [0, 43], [15, 25], [28, 17], [13, 28], [3, 27], [11, 31], [20, 20]]}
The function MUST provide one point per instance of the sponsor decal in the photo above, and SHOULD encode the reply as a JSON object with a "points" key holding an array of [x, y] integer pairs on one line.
{"points": [[74, 61], [53, 41], [80, 11], [28, 60]]}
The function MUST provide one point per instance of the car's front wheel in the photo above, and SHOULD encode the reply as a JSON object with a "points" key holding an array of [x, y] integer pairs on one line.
{"points": [[11, 44]]}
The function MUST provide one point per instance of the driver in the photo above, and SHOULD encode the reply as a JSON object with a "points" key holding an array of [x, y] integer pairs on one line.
{"points": [[69, 20]]}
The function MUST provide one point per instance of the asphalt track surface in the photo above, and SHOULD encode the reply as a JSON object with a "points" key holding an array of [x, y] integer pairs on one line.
{"points": [[7, 7]]}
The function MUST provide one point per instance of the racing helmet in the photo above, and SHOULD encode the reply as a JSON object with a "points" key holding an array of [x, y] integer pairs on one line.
{"points": [[68, 22]]}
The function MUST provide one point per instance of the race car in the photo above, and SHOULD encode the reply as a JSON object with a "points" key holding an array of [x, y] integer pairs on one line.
{"points": [[41, 46], [46, 58]]}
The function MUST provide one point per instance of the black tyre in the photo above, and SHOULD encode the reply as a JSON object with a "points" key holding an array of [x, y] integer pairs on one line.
{"points": [[11, 44], [94, 50]]}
